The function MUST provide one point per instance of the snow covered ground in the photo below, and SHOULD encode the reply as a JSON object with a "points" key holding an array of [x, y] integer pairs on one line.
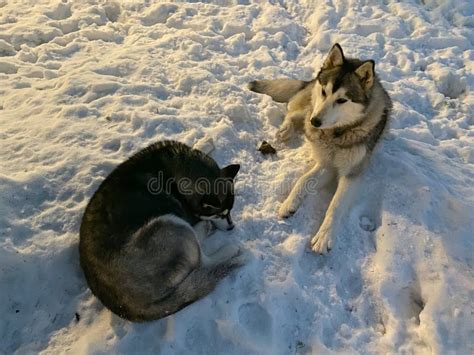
{"points": [[85, 84]]}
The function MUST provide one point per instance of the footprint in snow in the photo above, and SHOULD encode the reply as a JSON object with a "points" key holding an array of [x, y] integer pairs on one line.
{"points": [[112, 145], [366, 224], [256, 320]]}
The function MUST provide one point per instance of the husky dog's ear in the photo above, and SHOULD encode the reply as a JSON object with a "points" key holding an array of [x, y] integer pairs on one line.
{"points": [[335, 57], [366, 74], [231, 171]]}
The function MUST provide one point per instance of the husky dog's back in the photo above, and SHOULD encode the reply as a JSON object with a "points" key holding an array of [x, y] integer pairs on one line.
{"points": [[140, 234]]}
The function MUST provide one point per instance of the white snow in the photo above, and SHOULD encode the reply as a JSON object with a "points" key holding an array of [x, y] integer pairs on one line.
{"points": [[85, 84]]}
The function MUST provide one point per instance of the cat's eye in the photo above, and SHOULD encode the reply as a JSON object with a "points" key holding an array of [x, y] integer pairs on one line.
{"points": [[341, 101]]}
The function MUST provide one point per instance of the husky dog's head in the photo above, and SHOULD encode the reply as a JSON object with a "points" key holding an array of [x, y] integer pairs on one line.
{"points": [[218, 200], [342, 90]]}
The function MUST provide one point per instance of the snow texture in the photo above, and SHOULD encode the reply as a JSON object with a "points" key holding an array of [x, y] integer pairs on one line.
{"points": [[85, 84]]}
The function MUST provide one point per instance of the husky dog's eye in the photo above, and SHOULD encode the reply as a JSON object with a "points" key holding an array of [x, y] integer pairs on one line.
{"points": [[224, 214], [341, 101], [323, 92], [210, 207]]}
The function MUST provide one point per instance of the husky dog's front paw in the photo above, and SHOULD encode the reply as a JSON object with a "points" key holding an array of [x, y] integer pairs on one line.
{"points": [[241, 257], [286, 131], [288, 208], [230, 252], [204, 229], [322, 241]]}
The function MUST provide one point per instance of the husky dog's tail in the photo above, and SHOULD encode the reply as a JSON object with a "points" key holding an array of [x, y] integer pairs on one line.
{"points": [[162, 270], [199, 283], [281, 90]]}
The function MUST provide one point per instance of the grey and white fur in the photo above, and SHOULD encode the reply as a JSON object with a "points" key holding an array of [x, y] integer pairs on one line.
{"points": [[343, 112], [140, 245]]}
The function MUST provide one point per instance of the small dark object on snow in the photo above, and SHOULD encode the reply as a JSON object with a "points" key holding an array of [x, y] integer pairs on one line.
{"points": [[266, 148]]}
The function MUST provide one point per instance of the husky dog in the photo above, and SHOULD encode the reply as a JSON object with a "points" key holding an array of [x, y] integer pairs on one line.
{"points": [[343, 112], [141, 232]]}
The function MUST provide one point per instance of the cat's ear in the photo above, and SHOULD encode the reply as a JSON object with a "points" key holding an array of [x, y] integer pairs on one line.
{"points": [[335, 57], [231, 171]]}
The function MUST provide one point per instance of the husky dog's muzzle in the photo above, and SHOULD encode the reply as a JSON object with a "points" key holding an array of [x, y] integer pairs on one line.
{"points": [[230, 223], [223, 223]]}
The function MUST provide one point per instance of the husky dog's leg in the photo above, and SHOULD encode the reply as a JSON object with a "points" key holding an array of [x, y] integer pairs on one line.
{"points": [[299, 107], [281, 90], [323, 240], [203, 229], [317, 177], [227, 252], [291, 119]]}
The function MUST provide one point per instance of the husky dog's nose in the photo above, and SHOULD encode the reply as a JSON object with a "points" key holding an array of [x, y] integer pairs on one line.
{"points": [[230, 223], [316, 122]]}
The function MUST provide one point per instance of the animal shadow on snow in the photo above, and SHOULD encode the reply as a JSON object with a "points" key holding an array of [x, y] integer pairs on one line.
{"points": [[42, 297], [421, 190]]}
